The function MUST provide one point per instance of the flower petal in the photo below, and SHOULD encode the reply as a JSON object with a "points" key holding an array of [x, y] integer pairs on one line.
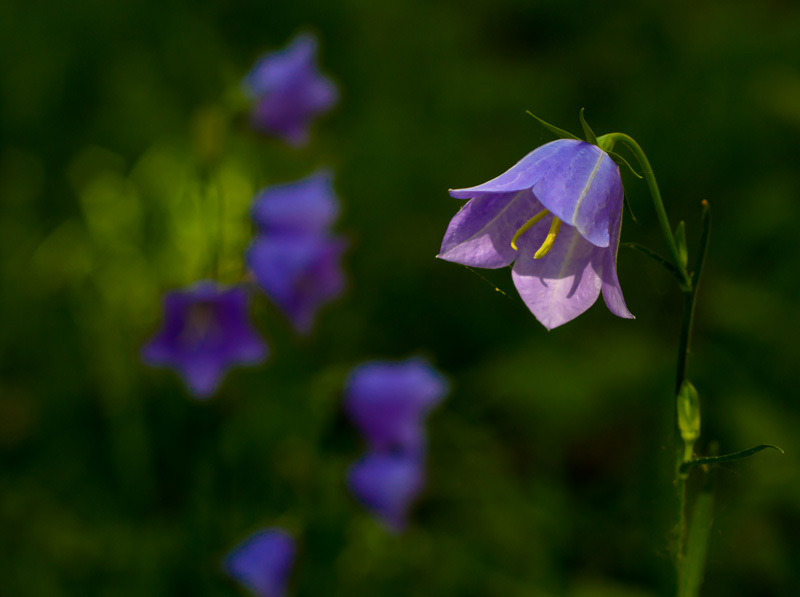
{"points": [[306, 205], [263, 562], [480, 234], [388, 400], [524, 174], [612, 293], [299, 272], [387, 484], [583, 188], [561, 285]]}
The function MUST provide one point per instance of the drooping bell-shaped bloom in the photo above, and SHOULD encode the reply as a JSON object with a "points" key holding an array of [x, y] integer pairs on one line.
{"points": [[387, 484], [308, 205], [556, 215], [263, 562], [388, 401], [206, 330], [299, 272], [295, 259], [289, 91]]}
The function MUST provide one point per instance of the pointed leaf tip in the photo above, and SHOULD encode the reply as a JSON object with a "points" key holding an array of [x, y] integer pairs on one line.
{"points": [[727, 457], [560, 133], [621, 161], [587, 130]]}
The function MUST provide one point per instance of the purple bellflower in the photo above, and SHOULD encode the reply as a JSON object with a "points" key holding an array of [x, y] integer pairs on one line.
{"points": [[299, 272], [206, 330], [306, 205], [289, 91], [387, 485], [560, 265], [387, 401], [294, 259], [263, 562]]}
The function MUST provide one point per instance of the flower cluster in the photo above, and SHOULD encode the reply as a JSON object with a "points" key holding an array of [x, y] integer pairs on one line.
{"points": [[295, 259], [388, 403], [560, 269]]}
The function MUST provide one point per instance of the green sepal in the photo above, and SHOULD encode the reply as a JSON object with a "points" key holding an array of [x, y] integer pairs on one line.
{"points": [[587, 130], [560, 133], [621, 161], [727, 457], [680, 241], [689, 413]]}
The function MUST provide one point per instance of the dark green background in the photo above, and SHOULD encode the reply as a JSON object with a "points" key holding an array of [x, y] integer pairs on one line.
{"points": [[548, 462]]}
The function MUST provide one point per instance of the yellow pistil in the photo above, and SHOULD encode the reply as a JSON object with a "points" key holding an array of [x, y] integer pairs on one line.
{"points": [[526, 226], [551, 238]]}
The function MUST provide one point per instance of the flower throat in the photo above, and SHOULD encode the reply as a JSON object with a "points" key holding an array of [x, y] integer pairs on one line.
{"points": [[549, 240]]}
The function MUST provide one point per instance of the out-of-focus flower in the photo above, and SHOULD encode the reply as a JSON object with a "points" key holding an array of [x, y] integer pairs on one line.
{"points": [[289, 91], [299, 272], [206, 330], [263, 562], [387, 401], [309, 205], [574, 188], [387, 485]]}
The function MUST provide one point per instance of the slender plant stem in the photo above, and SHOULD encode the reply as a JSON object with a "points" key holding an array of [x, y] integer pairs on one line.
{"points": [[647, 173], [679, 536], [688, 284]]}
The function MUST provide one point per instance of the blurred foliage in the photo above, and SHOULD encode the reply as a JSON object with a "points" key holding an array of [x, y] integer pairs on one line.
{"points": [[547, 467]]}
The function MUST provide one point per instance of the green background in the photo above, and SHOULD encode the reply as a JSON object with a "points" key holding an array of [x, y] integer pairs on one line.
{"points": [[548, 462]]}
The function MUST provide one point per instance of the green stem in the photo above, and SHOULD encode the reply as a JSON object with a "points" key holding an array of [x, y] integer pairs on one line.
{"points": [[679, 537], [688, 285], [607, 142]]}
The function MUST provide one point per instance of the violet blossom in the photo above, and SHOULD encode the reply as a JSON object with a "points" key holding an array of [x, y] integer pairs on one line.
{"points": [[561, 264], [206, 330], [387, 485], [294, 258], [263, 562], [299, 272], [387, 401], [306, 205], [289, 91]]}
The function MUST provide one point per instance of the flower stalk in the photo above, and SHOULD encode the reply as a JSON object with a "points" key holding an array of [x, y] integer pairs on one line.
{"points": [[688, 283], [607, 143]]}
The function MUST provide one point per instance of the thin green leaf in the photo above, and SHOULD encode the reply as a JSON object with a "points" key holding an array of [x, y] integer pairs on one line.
{"points": [[560, 133], [680, 241], [655, 257], [727, 457], [702, 249], [621, 161], [694, 561], [587, 130]]}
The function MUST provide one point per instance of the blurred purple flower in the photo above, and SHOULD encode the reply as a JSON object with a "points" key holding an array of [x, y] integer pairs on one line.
{"points": [[575, 187], [387, 401], [206, 330], [306, 205], [289, 91], [387, 485], [299, 272], [263, 562]]}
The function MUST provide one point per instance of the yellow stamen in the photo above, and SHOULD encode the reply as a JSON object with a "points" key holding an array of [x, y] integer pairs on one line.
{"points": [[551, 238], [526, 226]]}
